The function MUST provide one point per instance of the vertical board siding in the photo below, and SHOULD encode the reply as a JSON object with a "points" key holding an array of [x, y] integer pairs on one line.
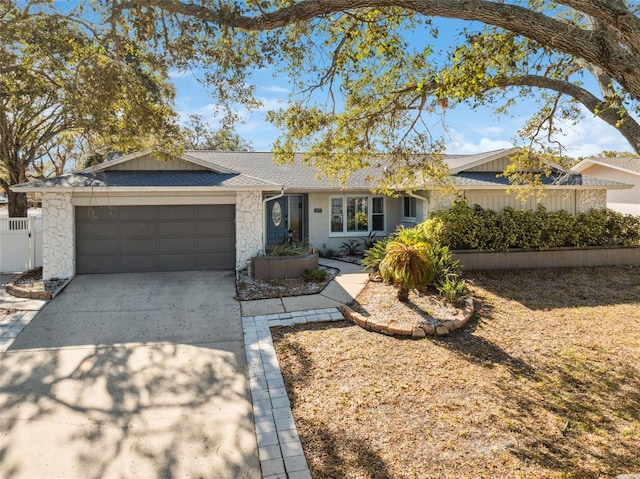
{"points": [[150, 163]]}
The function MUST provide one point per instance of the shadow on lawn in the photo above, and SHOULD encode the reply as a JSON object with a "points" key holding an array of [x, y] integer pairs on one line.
{"points": [[336, 453], [568, 410], [541, 289]]}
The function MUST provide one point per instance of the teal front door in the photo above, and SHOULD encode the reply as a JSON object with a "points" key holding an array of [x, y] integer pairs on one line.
{"points": [[277, 220]]}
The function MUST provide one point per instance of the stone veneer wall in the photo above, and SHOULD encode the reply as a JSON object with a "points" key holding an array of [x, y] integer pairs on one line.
{"points": [[58, 236], [591, 199], [249, 219]]}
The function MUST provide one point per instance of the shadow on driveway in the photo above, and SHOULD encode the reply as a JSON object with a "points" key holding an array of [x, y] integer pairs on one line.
{"points": [[138, 375]]}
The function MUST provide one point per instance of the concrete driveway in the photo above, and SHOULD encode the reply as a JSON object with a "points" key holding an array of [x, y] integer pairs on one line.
{"points": [[130, 376]]}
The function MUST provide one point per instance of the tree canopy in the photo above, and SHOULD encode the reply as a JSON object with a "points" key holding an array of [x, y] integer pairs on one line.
{"points": [[369, 78], [62, 75]]}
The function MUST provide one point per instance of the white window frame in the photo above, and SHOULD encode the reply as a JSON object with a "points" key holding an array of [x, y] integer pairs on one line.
{"points": [[370, 214], [410, 219]]}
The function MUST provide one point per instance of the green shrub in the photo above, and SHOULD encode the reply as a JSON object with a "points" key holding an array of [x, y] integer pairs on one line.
{"points": [[452, 288], [374, 255], [289, 249], [462, 227], [329, 253], [314, 275]]}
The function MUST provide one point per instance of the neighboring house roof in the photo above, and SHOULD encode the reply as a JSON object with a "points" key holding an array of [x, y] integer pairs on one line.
{"points": [[257, 170], [629, 165]]}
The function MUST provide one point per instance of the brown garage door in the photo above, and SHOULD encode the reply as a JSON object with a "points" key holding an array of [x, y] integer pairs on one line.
{"points": [[127, 239]]}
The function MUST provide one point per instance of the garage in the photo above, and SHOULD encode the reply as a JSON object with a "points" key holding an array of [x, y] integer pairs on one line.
{"points": [[128, 239]]}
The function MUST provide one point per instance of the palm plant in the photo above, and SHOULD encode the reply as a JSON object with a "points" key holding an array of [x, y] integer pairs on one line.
{"points": [[374, 256], [408, 265]]}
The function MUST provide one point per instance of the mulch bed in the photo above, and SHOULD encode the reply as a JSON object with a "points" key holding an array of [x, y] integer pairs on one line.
{"points": [[249, 288], [542, 383]]}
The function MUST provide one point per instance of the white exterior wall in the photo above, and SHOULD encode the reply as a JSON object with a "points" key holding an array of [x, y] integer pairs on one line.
{"points": [[249, 226], [319, 222], [58, 236]]}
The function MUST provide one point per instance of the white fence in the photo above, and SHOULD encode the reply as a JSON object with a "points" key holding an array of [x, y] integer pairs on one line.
{"points": [[20, 243]]}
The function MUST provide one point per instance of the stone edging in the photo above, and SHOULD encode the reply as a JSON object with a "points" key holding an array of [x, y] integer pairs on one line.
{"points": [[19, 292], [371, 324]]}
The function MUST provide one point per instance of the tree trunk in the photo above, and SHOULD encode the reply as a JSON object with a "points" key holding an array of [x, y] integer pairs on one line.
{"points": [[403, 294], [18, 205]]}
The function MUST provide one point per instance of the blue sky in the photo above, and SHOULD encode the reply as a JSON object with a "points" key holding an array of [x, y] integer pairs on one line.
{"points": [[467, 131]]}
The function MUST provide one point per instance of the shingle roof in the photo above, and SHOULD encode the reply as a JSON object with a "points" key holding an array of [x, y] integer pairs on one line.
{"points": [[258, 170], [297, 176], [485, 179], [151, 179], [294, 176]]}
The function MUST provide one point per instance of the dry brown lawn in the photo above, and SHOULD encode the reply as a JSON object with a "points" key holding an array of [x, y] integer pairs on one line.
{"points": [[544, 382]]}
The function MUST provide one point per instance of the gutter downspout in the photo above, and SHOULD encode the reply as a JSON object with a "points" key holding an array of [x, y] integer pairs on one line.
{"points": [[264, 217]]}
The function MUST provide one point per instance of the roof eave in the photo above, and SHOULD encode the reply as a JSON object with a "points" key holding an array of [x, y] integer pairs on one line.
{"points": [[140, 189]]}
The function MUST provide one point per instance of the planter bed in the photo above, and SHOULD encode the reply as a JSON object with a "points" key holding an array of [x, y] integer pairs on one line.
{"points": [[282, 267], [472, 260]]}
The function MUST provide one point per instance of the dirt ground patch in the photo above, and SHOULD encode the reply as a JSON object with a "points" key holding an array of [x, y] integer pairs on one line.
{"points": [[543, 382]]}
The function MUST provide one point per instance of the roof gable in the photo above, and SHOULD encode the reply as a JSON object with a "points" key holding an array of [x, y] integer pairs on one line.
{"points": [[146, 161], [628, 165]]}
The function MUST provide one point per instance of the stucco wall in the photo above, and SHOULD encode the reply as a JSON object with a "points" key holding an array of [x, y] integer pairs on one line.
{"points": [[591, 199], [249, 220], [58, 236]]}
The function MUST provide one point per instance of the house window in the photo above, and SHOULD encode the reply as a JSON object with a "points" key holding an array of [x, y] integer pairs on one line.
{"points": [[409, 208], [357, 214]]}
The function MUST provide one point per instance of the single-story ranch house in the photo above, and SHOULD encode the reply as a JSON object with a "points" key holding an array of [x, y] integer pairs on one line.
{"points": [[624, 170], [215, 209]]}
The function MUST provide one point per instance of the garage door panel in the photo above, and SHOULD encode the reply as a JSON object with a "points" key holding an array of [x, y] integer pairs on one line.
{"points": [[177, 212], [138, 263], [138, 229], [176, 245], [137, 213], [224, 212], [176, 228], [155, 238], [96, 213], [96, 264], [94, 229], [98, 247], [177, 262], [214, 244], [210, 260], [216, 228], [137, 246]]}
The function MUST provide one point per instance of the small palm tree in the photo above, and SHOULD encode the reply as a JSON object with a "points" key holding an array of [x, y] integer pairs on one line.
{"points": [[408, 265]]}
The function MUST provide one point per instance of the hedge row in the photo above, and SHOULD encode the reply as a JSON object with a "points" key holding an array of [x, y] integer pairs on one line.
{"points": [[463, 227]]}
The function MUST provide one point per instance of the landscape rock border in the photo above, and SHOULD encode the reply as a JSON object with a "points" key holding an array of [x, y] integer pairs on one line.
{"points": [[370, 323], [15, 289]]}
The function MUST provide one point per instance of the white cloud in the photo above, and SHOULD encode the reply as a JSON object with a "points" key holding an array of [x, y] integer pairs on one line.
{"points": [[490, 130], [271, 104], [462, 145], [275, 89], [590, 137]]}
